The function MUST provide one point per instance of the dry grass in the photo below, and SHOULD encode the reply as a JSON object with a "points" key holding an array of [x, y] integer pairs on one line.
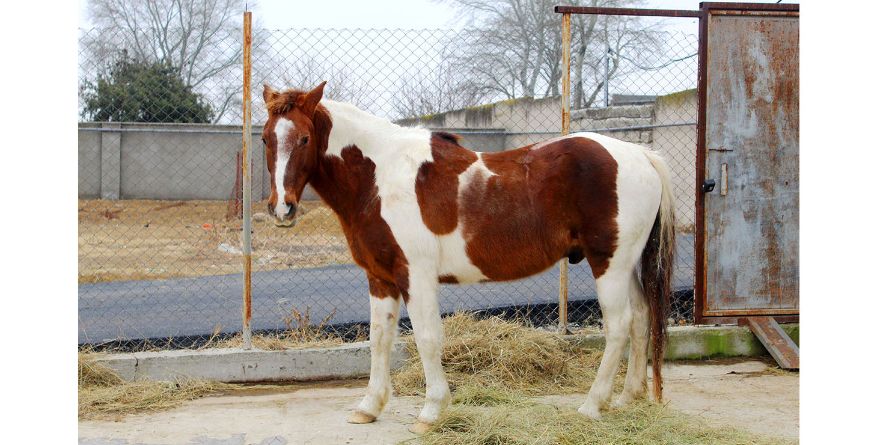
{"points": [[502, 418], [495, 353], [150, 239], [102, 394], [300, 333]]}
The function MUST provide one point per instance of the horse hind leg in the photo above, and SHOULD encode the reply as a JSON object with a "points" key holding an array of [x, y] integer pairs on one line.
{"points": [[635, 382], [613, 288]]}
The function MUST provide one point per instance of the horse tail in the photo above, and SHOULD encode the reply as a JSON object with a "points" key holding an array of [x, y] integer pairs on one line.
{"points": [[656, 269]]}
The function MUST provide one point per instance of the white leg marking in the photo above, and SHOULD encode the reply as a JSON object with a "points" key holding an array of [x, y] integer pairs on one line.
{"points": [[282, 130], [612, 290], [635, 382], [424, 312], [385, 313]]}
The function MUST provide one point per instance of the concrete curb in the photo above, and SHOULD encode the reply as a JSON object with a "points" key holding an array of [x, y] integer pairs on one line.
{"points": [[352, 360], [238, 365], [698, 342]]}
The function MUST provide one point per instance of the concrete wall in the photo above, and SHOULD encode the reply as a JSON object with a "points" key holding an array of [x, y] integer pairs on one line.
{"points": [[509, 123], [678, 144], [164, 161]]}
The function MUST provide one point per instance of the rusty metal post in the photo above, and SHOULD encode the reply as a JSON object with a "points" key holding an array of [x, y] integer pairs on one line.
{"points": [[564, 115], [247, 180]]}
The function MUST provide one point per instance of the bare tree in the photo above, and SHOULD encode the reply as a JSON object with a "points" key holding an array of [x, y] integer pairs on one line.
{"points": [[506, 42], [598, 38], [445, 89], [514, 46], [200, 38], [305, 72]]}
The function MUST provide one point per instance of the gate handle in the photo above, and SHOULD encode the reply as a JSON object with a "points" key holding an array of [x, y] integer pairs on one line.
{"points": [[708, 185]]}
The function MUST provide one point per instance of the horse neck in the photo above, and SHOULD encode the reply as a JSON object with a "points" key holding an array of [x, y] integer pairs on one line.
{"points": [[345, 177]]}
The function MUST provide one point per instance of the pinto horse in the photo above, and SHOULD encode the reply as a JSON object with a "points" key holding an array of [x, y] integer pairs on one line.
{"points": [[418, 209]]}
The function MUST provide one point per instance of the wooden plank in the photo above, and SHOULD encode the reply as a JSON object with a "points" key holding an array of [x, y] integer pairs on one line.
{"points": [[776, 341]]}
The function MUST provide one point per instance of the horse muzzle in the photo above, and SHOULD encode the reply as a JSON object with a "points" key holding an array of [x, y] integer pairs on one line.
{"points": [[287, 220]]}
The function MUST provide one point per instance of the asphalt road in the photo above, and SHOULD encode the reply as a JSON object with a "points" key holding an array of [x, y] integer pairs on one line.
{"points": [[197, 306]]}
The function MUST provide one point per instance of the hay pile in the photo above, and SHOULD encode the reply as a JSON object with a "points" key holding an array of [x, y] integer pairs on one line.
{"points": [[507, 419], [495, 353], [103, 394], [497, 367]]}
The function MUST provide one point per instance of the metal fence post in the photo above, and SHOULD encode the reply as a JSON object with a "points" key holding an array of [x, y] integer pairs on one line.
{"points": [[247, 180], [606, 77], [564, 108]]}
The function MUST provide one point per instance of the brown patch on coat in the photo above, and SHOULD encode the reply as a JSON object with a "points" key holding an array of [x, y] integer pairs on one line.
{"points": [[347, 185], [542, 204], [436, 184], [447, 279], [381, 289]]}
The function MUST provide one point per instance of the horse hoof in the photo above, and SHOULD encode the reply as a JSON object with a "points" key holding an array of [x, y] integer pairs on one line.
{"points": [[623, 401], [593, 413], [420, 427], [360, 417]]}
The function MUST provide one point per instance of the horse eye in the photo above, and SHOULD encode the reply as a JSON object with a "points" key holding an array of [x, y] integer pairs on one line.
{"points": [[303, 140], [263, 141]]}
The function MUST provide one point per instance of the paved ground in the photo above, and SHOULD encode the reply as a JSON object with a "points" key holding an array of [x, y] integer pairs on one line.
{"points": [[197, 306], [736, 393]]}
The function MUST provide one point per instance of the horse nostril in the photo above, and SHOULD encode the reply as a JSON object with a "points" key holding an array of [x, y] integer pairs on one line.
{"points": [[291, 211], [270, 209]]}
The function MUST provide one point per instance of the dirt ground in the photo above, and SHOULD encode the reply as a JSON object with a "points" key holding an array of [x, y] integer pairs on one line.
{"points": [[742, 393], [148, 239]]}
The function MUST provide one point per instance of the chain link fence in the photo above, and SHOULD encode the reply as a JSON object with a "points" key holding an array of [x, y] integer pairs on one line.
{"points": [[159, 231]]}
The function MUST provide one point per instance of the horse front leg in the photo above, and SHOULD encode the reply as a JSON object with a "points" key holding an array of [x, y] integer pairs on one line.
{"points": [[427, 326], [385, 314]]}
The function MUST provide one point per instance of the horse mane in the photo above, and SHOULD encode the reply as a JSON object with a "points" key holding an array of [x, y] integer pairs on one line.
{"points": [[284, 101], [445, 135]]}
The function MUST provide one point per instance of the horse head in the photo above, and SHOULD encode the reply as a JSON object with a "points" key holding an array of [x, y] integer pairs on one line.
{"points": [[295, 136]]}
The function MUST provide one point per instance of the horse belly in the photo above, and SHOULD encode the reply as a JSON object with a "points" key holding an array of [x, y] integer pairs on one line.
{"points": [[503, 255], [455, 266]]}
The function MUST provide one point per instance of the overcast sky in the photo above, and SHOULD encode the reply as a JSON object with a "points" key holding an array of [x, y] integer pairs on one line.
{"points": [[430, 14]]}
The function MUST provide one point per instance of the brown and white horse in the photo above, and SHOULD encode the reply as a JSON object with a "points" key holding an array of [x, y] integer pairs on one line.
{"points": [[419, 209]]}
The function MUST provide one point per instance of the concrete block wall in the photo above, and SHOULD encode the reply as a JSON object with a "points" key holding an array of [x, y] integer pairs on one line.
{"points": [[620, 116], [164, 161]]}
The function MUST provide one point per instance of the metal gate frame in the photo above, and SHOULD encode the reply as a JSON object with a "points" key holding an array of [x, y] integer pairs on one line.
{"points": [[702, 14]]}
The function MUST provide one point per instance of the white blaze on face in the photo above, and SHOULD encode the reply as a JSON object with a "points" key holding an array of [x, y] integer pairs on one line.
{"points": [[282, 129]]}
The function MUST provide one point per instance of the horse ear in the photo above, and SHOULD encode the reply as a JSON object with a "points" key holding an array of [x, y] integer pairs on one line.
{"points": [[312, 98], [269, 94]]}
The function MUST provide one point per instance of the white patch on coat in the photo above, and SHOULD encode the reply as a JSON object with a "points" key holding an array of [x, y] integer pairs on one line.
{"points": [[397, 153], [282, 129]]}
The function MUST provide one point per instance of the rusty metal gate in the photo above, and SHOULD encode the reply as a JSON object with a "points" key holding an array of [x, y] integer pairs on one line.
{"points": [[747, 221], [747, 157]]}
